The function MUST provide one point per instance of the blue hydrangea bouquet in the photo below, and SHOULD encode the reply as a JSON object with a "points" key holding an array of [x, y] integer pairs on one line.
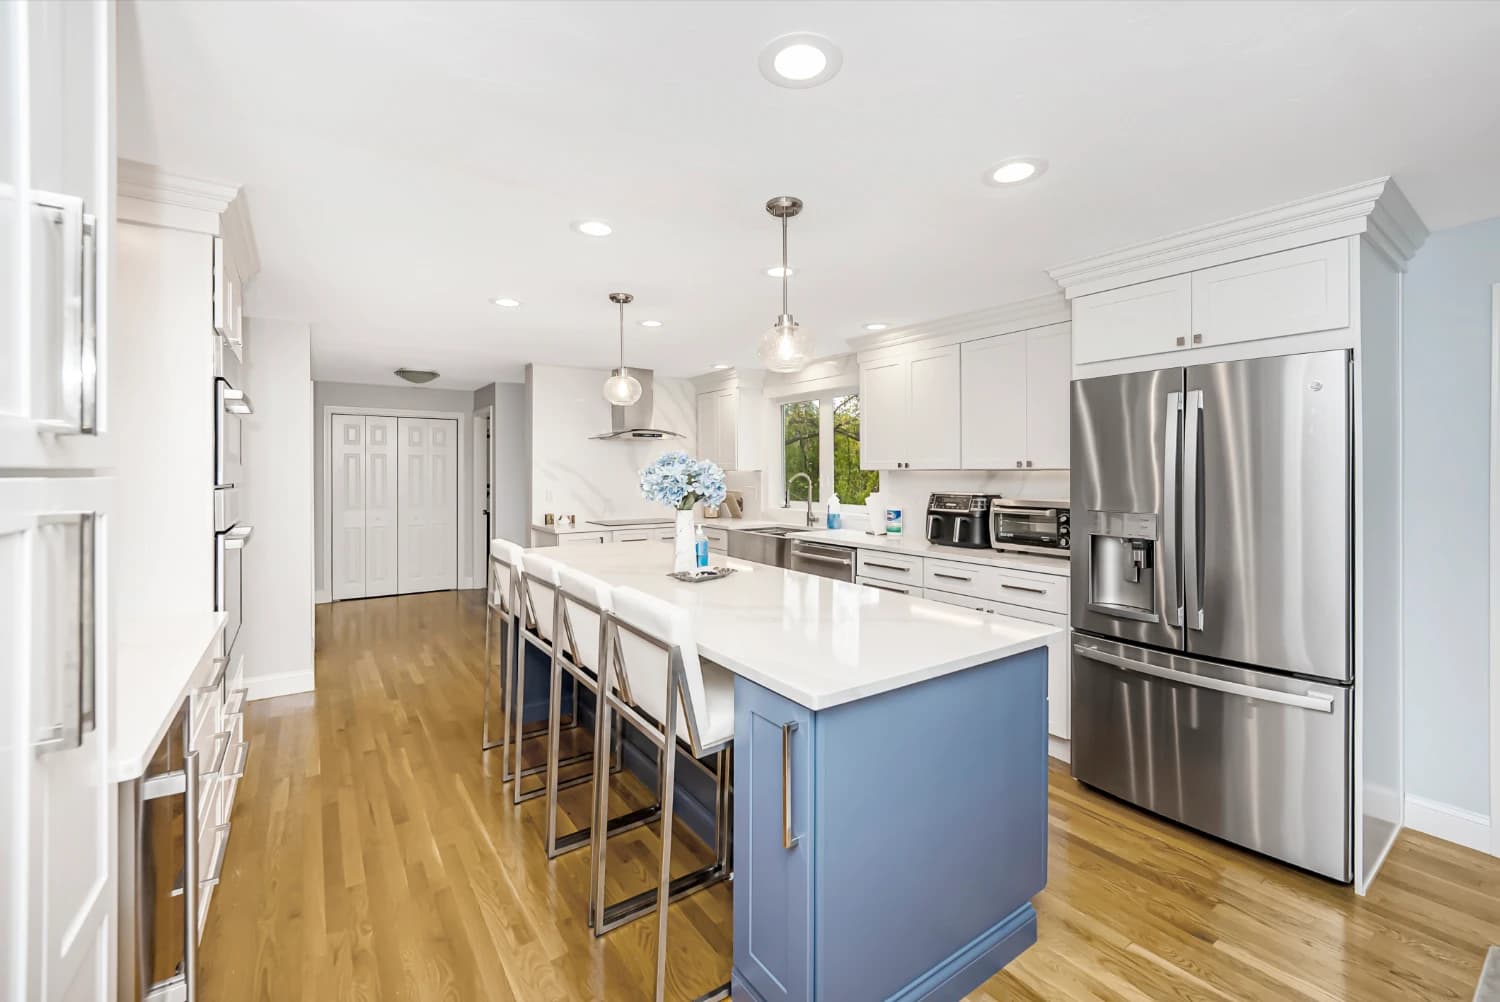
{"points": [[679, 481]]}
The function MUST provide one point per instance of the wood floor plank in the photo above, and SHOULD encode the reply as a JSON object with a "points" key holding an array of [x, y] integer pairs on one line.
{"points": [[376, 857]]}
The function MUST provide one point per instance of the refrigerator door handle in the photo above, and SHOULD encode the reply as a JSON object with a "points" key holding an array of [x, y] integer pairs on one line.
{"points": [[1192, 500], [1311, 701], [1169, 506]]}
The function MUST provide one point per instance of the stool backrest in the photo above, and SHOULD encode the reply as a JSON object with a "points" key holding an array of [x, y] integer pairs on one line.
{"points": [[648, 629], [505, 574], [539, 585], [582, 594]]}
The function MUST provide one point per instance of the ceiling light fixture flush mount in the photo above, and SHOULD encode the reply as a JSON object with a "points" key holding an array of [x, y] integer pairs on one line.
{"points": [[593, 227], [787, 346], [418, 376], [800, 59], [621, 388], [1014, 171]]}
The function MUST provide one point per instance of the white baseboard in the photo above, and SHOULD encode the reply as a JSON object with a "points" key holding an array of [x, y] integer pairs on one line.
{"points": [[1060, 748], [280, 684], [1452, 824], [321, 597]]}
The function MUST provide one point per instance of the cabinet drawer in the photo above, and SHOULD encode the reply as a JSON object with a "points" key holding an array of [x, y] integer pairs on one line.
{"points": [[962, 601], [633, 535], [895, 567], [582, 538], [901, 589], [718, 539], [1046, 592], [975, 580]]}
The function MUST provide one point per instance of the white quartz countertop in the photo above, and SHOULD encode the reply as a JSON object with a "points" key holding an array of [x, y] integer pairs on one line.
{"points": [[154, 665], [662, 523], [816, 641], [917, 546]]}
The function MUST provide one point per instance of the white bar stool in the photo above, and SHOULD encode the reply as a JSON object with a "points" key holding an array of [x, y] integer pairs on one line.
{"points": [[539, 583], [679, 703], [582, 601], [502, 600]]}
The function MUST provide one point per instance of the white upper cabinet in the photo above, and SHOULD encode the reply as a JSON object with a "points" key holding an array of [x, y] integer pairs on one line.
{"points": [[1049, 374], [933, 410], [1015, 400], [910, 408], [721, 428], [1143, 319], [1294, 292], [708, 427], [994, 403]]}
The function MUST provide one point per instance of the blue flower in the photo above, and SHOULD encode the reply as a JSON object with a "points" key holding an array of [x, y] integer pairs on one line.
{"points": [[679, 481]]}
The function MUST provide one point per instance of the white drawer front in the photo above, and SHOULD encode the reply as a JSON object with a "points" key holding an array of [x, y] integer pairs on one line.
{"points": [[582, 538], [894, 567], [633, 535], [974, 580], [949, 598], [901, 589], [1045, 592], [718, 539]]}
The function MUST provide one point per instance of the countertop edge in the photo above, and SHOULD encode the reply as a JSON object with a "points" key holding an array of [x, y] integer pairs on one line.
{"points": [[169, 641]]}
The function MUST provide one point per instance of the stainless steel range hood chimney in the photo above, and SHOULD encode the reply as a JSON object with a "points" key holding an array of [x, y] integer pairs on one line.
{"points": [[634, 422]]}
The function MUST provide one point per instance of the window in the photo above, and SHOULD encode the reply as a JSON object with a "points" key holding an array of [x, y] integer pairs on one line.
{"points": [[821, 439]]}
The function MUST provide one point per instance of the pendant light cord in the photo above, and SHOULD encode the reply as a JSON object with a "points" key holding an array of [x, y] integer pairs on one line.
{"points": [[622, 339], [785, 273]]}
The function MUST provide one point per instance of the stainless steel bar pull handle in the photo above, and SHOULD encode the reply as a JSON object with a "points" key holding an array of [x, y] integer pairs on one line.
{"points": [[788, 840], [888, 567], [1014, 587], [1192, 498], [77, 691], [1169, 489], [1312, 700], [807, 555]]}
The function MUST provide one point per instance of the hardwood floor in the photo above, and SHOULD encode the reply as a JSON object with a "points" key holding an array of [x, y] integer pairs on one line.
{"points": [[376, 856]]}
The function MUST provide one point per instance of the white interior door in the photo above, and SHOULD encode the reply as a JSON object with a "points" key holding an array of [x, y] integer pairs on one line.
{"points": [[428, 492], [346, 571], [381, 511]]}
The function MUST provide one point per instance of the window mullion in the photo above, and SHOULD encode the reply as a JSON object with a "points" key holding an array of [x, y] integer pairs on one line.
{"points": [[825, 449]]}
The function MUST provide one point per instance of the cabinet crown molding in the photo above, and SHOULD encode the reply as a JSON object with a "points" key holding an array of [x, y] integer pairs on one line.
{"points": [[1024, 314], [190, 203], [1377, 209]]}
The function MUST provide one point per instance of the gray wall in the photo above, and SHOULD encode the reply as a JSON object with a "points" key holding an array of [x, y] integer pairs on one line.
{"points": [[392, 398], [1446, 388], [508, 439]]}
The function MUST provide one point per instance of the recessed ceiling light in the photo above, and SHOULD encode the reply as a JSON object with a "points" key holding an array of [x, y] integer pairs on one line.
{"points": [[506, 303], [593, 227], [800, 59], [1015, 170], [876, 327], [722, 365], [650, 323], [777, 271]]}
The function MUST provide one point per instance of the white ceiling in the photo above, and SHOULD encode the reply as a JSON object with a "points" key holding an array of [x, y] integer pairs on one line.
{"points": [[405, 162]]}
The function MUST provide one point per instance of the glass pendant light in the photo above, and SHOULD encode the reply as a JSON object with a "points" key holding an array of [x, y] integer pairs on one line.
{"points": [[787, 346], [621, 388]]}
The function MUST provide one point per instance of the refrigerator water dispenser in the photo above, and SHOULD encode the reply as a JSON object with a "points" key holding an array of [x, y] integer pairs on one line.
{"points": [[1122, 564]]}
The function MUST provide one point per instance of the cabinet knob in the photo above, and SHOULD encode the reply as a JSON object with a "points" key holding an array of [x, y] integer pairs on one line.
{"points": [[1028, 462], [1197, 339], [1018, 464], [1181, 342]]}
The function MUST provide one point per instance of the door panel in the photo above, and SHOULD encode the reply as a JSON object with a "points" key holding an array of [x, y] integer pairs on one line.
{"points": [[1293, 292], [1273, 544], [428, 494], [1049, 370], [1259, 759], [883, 407], [1124, 448], [1142, 319], [708, 426], [932, 433], [994, 403], [381, 523], [346, 572]]}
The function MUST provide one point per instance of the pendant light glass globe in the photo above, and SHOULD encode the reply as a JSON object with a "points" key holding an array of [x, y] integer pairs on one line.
{"points": [[786, 346], [622, 389]]}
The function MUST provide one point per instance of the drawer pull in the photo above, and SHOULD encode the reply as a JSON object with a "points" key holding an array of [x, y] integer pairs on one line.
{"points": [[788, 840], [951, 577], [888, 567], [1034, 591], [887, 587], [221, 849]]}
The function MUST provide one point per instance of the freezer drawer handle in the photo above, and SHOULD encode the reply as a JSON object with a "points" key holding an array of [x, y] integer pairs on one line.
{"points": [[1310, 701]]}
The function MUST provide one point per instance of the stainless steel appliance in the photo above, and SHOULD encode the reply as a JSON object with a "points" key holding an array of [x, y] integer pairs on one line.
{"points": [[1043, 527], [959, 520], [1212, 600], [765, 545], [822, 559]]}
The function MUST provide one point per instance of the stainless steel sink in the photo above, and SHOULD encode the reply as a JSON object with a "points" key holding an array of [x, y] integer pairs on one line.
{"points": [[764, 545]]}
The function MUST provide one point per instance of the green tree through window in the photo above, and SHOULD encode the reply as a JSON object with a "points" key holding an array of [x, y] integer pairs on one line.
{"points": [[799, 447], [852, 484]]}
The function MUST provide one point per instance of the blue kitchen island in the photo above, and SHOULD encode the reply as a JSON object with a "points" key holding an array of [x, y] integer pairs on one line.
{"points": [[890, 779]]}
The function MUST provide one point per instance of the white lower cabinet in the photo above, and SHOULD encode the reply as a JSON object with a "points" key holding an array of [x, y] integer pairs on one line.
{"points": [[883, 585], [718, 540], [582, 538]]}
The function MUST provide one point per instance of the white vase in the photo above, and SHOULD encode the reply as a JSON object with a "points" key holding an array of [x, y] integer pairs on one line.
{"points": [[682, 543]]}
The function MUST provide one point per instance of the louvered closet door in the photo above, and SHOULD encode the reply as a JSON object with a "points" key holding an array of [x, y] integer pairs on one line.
{"points": [[381, 511], [428, 492], [347, 505]]}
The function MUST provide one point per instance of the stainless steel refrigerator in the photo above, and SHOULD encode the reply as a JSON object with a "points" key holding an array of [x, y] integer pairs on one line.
{"points": [[1212, 600]]}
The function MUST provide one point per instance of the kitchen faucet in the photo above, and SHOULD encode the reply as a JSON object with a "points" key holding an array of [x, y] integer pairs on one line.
{"points": [[792, 480]]}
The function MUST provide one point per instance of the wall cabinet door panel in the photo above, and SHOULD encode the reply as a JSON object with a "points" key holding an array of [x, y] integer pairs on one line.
{"points": [[1139, 319], [1049, 372], [883, 404], [708, 427], [995, 384], [1292, 292], [727, 450], [934, 410]]}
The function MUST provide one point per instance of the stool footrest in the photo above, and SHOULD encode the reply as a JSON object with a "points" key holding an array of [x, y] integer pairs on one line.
{"points": [[624, 823], [644, 903]]}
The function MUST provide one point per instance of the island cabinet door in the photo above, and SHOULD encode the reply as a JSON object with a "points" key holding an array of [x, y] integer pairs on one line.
{"points": [[773, 847]]}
